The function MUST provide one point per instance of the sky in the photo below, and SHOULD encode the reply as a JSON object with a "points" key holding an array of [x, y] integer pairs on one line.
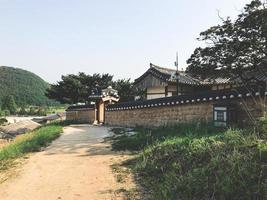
{"points": [[121, 37]]}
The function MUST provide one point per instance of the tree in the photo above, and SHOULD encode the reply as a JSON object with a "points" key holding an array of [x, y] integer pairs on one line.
{"points": [[9, 104], [68, 90], [125, 89], [76, 88], [234, 48], [22, 110]]}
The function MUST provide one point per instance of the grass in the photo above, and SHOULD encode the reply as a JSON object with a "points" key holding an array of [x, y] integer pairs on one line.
{"points": [[139, 138], [198, 161], [29, 142]]}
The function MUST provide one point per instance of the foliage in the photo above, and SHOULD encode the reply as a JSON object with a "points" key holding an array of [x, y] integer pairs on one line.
{"points": [[76, 88], [22, 110], [3, 121], [125, 89], [8, 103], [234, 47], [26, 87], [40, 110], [139, 138], [6, 112], [194, 162], [30, 142]]}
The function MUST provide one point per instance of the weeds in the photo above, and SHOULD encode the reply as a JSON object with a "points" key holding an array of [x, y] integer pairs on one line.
{"points": [[199, 161], [29, 142], [139, 138]]}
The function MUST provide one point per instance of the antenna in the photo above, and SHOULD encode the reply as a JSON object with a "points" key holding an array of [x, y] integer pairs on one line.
{"points": [[176, 62], [177, 74]]}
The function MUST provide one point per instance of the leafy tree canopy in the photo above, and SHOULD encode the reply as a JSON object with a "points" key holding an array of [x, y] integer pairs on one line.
{"points": [[234, 47], [76, 88]]}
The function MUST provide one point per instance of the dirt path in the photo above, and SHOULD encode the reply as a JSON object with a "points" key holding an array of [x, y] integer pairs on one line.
{"points": [[75, 166]]}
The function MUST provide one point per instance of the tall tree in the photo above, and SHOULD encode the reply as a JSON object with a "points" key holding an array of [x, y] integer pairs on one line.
{"points": [[76, 88], [9, 104], [68, 90], [234, 47], [125, 89]]}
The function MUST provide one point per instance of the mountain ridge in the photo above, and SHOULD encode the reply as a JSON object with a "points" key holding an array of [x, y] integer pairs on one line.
{"points": [[26, 87]]}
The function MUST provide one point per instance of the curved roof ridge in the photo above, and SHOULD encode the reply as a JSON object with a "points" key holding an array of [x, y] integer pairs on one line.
{"points": [[163, 68]]}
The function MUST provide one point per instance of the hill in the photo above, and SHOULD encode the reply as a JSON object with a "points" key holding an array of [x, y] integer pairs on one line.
{"points": [[26, 87]]}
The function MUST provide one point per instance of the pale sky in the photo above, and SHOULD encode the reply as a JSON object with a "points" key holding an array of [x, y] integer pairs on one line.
{"points": [[121, 37]]}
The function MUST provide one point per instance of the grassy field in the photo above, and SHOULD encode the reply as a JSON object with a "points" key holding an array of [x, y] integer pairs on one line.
{"points": [[198, 161], [29, 142]]}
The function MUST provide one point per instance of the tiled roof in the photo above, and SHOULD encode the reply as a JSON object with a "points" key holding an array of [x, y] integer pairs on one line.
{"points": [[163, 70], [167, 74], [214, 96], [80, 107], [214, 81]]}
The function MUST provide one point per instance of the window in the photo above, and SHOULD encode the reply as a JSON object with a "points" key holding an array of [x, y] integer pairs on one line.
{"points": [[220, 116]]}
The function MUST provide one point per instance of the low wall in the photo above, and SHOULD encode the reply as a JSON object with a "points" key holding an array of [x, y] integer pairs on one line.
{"points": [[85, 114], [161, 115], [184, 109]]}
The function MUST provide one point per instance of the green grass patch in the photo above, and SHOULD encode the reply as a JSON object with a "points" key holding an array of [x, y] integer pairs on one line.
{"points": [[198, 161], [29, 142], [139, 138]]}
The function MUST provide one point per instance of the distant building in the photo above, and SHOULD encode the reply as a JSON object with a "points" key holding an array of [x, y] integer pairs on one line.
{"points": [[160, 82]]}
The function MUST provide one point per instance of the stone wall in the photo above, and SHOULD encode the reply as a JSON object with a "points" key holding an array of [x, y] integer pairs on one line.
{"points": [[161, 115], [81, 116], [153, 114]]}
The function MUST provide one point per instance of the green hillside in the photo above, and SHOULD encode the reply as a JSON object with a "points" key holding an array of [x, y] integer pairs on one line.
{"points": [[26, 87]]}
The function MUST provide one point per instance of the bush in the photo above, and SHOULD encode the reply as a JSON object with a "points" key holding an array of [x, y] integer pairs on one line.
{"points": [[3, 121], [1, 113], [22, 111], [6, 112]]}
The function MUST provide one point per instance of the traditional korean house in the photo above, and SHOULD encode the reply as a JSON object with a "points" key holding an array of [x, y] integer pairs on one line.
{"points": [[178, 97], [158, 82]]}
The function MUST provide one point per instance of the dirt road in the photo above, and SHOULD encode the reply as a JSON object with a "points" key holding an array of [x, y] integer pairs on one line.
{"points": [[75, 166]]}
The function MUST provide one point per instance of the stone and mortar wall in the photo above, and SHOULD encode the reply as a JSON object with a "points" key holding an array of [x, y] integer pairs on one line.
{"points": [[81, 116], [185, 113], [158, 116]]}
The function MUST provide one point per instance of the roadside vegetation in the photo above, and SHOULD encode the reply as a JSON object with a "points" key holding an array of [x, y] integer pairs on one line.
{"points": [[198, 161], [29, 142], [32, 110]]}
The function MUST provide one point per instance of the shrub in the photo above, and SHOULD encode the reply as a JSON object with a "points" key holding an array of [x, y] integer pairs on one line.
{"points": [[6, 112], [3, 121], [22, 111]]}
